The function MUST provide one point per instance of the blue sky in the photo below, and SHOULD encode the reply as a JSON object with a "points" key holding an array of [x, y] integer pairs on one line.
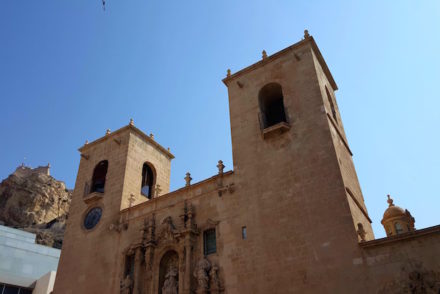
{"points": [[69, 71]]}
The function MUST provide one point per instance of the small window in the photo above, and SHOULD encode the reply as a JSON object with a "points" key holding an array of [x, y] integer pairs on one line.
{"points": [[98, 179], [271, 103], [209, 241], [398, 228], [244, 233], [147, 181], [332, 105]]}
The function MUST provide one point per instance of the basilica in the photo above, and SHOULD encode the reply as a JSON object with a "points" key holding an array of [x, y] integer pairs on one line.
{"points": [[288, 217]]}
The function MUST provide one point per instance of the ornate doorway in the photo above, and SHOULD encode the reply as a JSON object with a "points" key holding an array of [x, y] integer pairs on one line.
{"points": [[169, 273]]}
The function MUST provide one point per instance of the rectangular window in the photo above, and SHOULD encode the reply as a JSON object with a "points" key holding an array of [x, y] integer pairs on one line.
{"points": [[10, 290], [244, 233], [209, 241]]}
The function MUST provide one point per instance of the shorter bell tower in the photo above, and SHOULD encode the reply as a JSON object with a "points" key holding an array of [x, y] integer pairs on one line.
{"points": [[119, 170], [127, 165]]}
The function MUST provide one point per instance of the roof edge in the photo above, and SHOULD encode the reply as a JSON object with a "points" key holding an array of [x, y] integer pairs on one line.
{"points": [[179, 190], [400, 237], [129, 127], [309, 40]]}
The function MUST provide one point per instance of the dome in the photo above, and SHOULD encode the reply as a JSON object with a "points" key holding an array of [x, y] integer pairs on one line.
{"points": [[393, 211], [397, 220]]}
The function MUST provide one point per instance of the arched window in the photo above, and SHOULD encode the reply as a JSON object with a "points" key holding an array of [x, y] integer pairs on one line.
{"points": [[98, 179], [398, 228], [147, 181], [332, 105], [271, 103]]}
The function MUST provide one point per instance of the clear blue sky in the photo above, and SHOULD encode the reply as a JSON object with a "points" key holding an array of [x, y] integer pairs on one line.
{"points": [[69, 71]]}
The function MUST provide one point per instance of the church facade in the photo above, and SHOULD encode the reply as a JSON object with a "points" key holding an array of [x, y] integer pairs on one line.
{"points": [[289, 217]]}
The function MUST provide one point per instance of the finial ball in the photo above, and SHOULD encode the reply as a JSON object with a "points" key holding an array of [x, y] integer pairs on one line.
{"points": [[306, 34]]}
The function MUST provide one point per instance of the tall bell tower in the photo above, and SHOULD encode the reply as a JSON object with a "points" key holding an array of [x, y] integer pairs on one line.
{"points": [[119, 170], [294, 165]]}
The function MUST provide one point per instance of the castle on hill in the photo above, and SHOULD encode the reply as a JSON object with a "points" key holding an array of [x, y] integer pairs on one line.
{"points": [[25, 171], [289, 217]]}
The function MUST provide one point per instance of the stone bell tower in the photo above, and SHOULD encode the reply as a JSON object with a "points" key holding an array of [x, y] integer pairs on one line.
{"points": [[294, 165], [119, 170]]}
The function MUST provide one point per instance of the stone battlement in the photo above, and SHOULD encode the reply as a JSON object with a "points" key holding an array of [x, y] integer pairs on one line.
{"points": [[24, 171]]}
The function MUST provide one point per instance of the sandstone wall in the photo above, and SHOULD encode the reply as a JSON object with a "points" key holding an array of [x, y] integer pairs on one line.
{"points": [[407, 263]]}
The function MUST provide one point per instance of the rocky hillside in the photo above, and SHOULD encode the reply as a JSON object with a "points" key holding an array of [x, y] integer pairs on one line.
{"points": [[32, 200]]}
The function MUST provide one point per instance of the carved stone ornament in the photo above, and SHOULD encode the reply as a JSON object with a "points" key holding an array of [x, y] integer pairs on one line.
{"points": [[188, 179], [149, 231], [130, 251], [126, 285], [361, 232], [413, 279], [201, 273], [168, 230], [215, 281], [170, 285], [118, 226], [187, 217], [220, 167]]}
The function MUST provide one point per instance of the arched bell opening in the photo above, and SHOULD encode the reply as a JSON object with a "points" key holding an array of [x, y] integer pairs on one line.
{"points": [[271, 103], [148, 180], [99, 176]]}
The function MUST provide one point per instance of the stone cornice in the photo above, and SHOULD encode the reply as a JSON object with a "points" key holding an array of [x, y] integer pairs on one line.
{"points": [[133, 129], [400, 237], [274, 56], [165, 197]]}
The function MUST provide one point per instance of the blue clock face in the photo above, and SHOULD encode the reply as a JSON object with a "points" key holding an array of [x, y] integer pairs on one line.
{"points": [[92, 218]]}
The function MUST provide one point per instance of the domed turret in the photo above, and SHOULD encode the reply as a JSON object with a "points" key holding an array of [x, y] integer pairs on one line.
{"points": [[396, 220]]}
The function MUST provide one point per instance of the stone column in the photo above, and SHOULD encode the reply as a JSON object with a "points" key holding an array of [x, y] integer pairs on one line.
{"points": [[187, 286], [137, 271], [148, 285]]}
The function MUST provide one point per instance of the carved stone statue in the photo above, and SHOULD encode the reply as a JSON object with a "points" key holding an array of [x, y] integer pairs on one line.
{"points": [[361, 232], [215, 282], [126, 285], [170, 284], [201, 274], [167, 230]]}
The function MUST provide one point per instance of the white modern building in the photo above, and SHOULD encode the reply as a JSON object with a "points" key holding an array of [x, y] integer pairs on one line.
{"points": [[25, 267]]}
